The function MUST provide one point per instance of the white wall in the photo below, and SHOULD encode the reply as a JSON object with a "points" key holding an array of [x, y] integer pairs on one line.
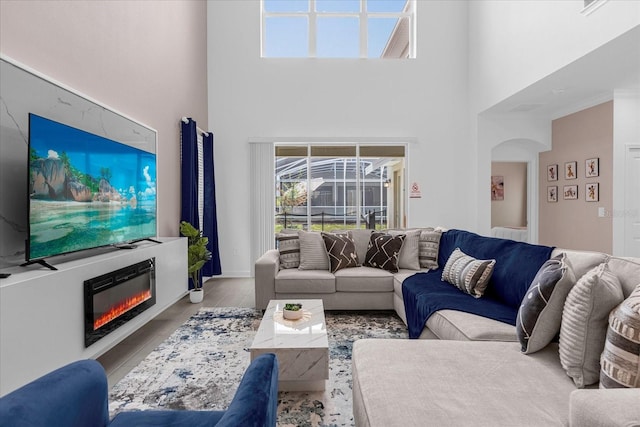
{"points": [[425, 98], [514, 44]]}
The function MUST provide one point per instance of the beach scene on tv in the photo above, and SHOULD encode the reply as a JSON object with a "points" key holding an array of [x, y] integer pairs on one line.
{"points": [[86, 191]]}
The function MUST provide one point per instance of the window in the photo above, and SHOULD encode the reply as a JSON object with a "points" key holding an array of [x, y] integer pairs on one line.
{"points": [[338, 28], [327, 187]]}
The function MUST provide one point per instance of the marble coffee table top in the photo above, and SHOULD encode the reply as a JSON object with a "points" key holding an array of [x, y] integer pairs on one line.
{"points": [[276, 332]]}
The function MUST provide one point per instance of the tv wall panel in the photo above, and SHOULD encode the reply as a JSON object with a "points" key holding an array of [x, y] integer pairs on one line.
{"points": [[24, 91]]}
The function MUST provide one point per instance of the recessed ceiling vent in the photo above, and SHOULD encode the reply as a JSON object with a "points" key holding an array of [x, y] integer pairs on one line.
{"points": [[523, 108]]}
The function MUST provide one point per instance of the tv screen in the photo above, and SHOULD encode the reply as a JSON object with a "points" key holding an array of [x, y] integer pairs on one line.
{"points": [[86, 191]]}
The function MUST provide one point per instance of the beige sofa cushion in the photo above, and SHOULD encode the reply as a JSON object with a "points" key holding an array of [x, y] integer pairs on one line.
{"points": [[599, 408], [305, 281], [453, 383], [461, 326], [581, 261], [363, 279], [627, 270]]}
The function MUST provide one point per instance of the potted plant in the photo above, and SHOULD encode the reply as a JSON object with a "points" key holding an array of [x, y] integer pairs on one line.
{"points": [[197, 256], [292, 311]]}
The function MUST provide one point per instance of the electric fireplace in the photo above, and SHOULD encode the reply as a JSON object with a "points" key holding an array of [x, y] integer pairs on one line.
{"points": [[112, 299]]}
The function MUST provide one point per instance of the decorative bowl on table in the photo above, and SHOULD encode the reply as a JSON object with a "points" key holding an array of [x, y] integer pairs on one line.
{"points": [[292, 311]]}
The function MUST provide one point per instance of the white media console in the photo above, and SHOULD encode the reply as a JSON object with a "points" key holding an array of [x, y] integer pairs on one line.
{"points": [[42, 311]]}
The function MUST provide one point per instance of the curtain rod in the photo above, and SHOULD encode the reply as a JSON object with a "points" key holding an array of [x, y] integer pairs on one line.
{"points": [[186, 120]]}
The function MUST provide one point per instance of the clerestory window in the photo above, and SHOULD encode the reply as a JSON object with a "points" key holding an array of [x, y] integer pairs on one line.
{"points": [[338, 28]]}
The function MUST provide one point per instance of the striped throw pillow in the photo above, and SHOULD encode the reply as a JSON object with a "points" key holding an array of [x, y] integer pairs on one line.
{"points": [[428, 247], [289, 248], [620, 360], [313, 254], [468, 274], [584, 323]]}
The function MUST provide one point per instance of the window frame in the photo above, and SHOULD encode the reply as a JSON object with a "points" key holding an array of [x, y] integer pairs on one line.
{"points": [[368, 145], [409, 12]]}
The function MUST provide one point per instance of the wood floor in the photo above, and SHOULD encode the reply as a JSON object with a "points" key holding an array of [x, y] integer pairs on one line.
{"points": [[218, 292]]}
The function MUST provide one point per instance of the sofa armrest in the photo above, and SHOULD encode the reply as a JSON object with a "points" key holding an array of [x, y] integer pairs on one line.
{"points": [[73, 395], [255, 403], [605, 407], [266, 267]]}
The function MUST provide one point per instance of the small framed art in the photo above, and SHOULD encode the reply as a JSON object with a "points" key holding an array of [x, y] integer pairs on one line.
{"points": [[592, 192], [497, 187], [592, 167], [552, 193], [570, 170], [552, 172], [570, 192]]}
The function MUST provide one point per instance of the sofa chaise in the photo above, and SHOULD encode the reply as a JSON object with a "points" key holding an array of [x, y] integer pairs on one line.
{"points": [[75, 395]]}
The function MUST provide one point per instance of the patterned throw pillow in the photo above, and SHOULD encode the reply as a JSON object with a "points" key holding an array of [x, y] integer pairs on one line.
{"points": [[540, 313], [584, 323], [468, 274], [428, 247], [620, 360], [341, 250], [383, 251], [289, 248], [313, 254]]}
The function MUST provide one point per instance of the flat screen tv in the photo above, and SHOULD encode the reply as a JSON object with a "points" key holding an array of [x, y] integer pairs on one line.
{"points": [[86, 191]]}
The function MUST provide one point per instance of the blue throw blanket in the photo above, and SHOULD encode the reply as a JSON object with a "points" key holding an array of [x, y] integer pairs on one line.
{"points": [[516, 265]]}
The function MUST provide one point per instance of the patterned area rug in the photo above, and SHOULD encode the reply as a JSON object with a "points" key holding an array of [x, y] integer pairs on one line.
{"points": [[200, 366]]}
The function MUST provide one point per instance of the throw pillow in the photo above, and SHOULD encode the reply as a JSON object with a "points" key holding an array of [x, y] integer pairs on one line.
{"points": [[341, 250], [540, 313], [428, 246], [620, 360], [408, 256], [289, 248], [313, 254], [361, 238], [468, 274], [584, 323], [383, 251]]}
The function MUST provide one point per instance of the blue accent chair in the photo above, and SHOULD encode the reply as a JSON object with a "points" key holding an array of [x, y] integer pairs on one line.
{"points": [[75, 395]]}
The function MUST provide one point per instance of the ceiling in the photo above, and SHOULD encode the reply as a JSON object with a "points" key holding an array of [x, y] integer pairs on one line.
{"points": [[585, 82]]}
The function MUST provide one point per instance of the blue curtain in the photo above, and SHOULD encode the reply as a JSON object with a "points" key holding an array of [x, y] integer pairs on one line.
{"points": [[210, 226], [189, 186], [189, 173]]}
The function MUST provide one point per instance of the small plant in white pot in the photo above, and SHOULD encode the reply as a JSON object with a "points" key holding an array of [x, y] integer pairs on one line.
{"points": [[292, 311], [197, 256]]}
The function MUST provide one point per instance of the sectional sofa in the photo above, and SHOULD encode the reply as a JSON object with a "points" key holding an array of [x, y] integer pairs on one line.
{"points": [[478, 370]]}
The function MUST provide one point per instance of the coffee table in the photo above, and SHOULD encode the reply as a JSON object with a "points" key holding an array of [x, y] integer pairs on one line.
{"points": [[302, 346]]}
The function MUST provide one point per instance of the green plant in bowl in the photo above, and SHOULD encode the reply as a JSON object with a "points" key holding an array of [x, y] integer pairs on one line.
{"points": [[293, 306]]}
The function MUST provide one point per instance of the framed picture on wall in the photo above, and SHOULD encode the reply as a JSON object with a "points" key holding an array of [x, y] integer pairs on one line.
{"points": [[552, 172], [592, 192], [497, 187], [592, 167], [570, 192], [552, 193], [570, 170]]}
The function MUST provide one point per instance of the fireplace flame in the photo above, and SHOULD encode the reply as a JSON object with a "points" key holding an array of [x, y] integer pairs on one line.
{"points": [[121, 308]]}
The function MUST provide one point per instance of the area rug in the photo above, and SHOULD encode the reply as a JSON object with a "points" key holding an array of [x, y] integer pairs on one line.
{"points": [[200, 366]]}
